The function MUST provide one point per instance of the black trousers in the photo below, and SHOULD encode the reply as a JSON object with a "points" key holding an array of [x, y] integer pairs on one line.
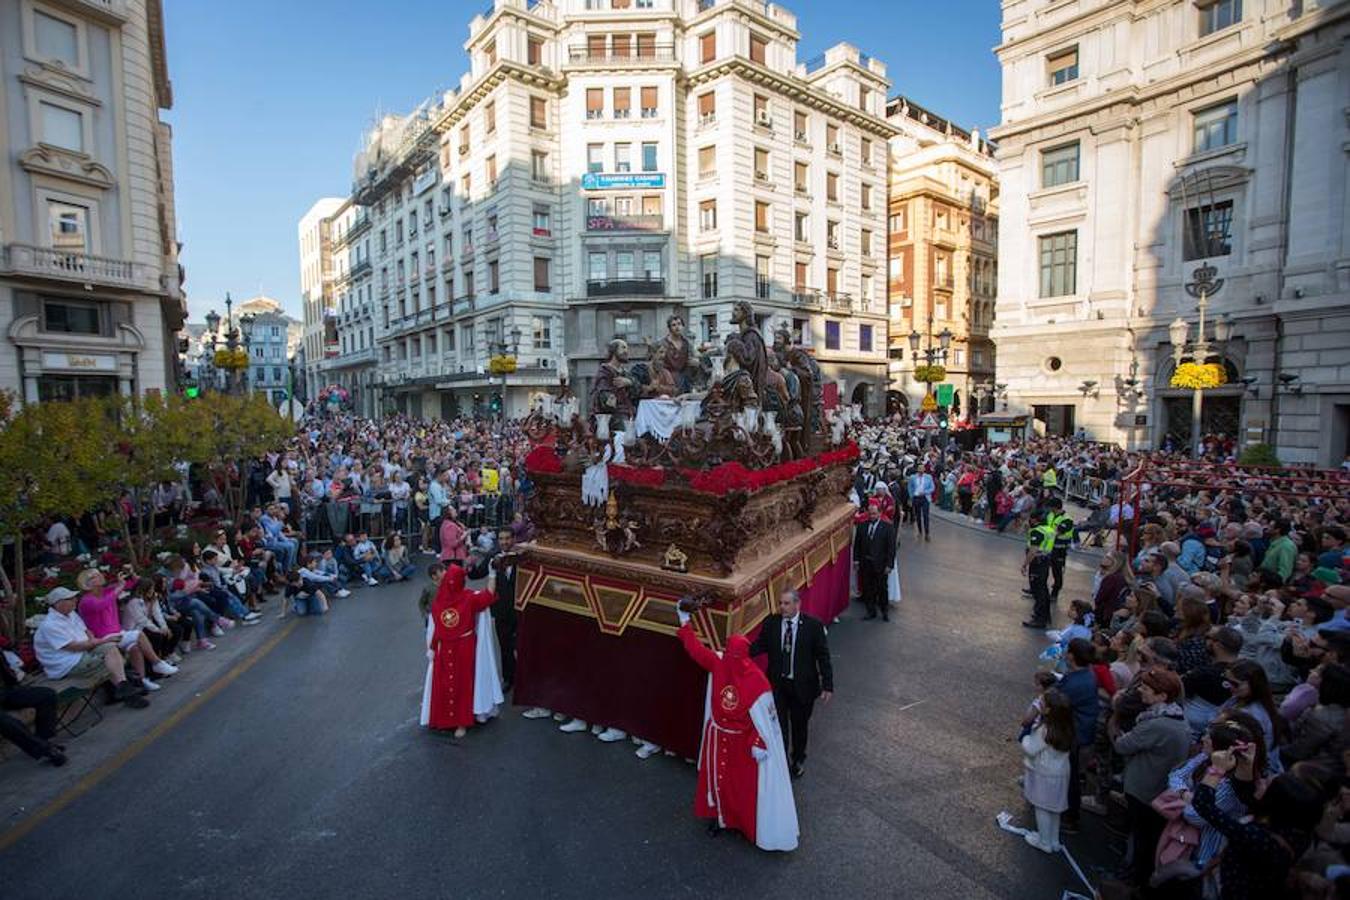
{"points": [[506, 642], [1039, 573], [1057, 557], [1146, 827], [794, 717], [872, 588], [43, 703]]}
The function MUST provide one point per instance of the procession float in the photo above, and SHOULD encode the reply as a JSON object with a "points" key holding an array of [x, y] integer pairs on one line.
{"points": [[712, 475]]}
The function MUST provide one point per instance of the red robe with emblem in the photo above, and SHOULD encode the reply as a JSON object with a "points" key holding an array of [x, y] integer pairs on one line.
{"points": [[453, 646], [728, 772]]}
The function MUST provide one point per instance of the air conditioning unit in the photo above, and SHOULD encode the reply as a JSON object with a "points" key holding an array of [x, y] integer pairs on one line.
{"points": [[762, 117], [708, 119], [836, 149], [761, 176], [801, 137]]}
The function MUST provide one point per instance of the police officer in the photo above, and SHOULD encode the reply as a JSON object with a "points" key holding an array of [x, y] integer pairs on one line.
{"points": [[1036, 565], [1063, 526]]}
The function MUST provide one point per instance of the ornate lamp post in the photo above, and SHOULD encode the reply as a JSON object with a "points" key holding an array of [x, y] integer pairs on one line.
{"points": [[246, 330], [932, 355], [1201, 374]]}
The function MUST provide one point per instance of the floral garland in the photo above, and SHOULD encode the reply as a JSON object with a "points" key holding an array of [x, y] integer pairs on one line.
{"points": [[930, 374], [231, 359], [1199, 376]]}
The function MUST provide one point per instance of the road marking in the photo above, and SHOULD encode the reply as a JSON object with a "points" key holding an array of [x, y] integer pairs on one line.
{"points": [[90, 781], [901, 709]]}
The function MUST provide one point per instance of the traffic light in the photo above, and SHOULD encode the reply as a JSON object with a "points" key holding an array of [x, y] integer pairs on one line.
{"points": [[496, 404], [942, 420], [191, 392]]}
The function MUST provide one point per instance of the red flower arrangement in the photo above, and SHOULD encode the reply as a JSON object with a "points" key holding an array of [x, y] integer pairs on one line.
{"points": [[653, 476], [543, 458]]}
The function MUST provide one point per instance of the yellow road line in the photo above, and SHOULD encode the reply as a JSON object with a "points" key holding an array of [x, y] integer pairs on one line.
{"points": [[90, 781]]}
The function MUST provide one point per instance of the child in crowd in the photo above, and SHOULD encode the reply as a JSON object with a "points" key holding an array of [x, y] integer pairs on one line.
{"points": [[1044, 682], [303, 598], [1047, 768]]}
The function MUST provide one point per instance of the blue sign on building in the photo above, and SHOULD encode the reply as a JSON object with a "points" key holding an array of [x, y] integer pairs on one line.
{"points": [[594, 181]]}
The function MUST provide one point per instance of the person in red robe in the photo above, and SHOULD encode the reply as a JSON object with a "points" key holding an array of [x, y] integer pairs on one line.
{"points": [[743, 780], [447, 700]]}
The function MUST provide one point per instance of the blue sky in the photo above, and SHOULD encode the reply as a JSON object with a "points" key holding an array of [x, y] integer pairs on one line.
{"points": [[271, 99]]}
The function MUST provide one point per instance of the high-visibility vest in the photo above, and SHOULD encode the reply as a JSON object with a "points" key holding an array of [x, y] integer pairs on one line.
{"points": [[1041, 538]]}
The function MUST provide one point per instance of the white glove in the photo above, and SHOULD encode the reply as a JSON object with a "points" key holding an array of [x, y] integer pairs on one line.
{"points": [[759, 753], [682, 616], [430, 655]]}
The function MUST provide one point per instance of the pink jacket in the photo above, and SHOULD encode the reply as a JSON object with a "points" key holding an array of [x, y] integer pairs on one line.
{"points": [[99, 609]]}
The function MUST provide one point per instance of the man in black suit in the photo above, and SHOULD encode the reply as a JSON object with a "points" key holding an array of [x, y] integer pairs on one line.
{"points": [[799, 670], [504, 607], [874, 555]]}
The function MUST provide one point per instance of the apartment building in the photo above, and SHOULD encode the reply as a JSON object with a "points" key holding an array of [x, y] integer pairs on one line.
{"points": [[604, 165], [1151, 152], [943, 267], [318, 302], [90, 287]]}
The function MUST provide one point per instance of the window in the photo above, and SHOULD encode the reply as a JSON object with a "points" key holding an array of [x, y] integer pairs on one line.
{"points": [[761, 164], [1059, 256], [1062, 66], [490, 53], [623, 102], [1208, 231], [761, 216], [494, 277], [449, 340], [977, 357], [1059, 165], [707, 162], [707, 107], [832, 281], [866, 196], [492, 233], [541, 279], [832, 186], [1216, 126], [801, 230], [651, 205], [71, 317], [539, 165], [651, 265], [62, 127], [56, 39], [595, 103], [758, 48], [800, 276], [597, 267], [595, 158], [648, 102], [543, 333], [801, 174], [534, 51], [542, 226], [832, 235], [431, 343], [623, 46], [1218, 15], [595, 46], [623, 265], [468, 283], [708, 271], [464, 141], [623, 157], [492, 170], [866, 242], [831, 335], [762, 277], [69, 226], [707, 47], [707, 215], [865, 338], [646, 44], [866, 289], [710, 327], [897, 221], [649, 157], [865, 151], [626, 327], [761, 106], [799, 126], [832, 138], [490, 117], [538, 112]]}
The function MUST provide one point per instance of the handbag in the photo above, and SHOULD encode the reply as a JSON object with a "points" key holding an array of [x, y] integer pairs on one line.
{"points": [[1169, 804]]}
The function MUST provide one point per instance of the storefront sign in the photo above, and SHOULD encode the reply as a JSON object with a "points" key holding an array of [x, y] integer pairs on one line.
{"points": [[83, 362], [593, 181]]}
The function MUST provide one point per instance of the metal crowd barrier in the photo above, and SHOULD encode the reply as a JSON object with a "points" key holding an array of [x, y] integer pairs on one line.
{"points": [[325, 522]]}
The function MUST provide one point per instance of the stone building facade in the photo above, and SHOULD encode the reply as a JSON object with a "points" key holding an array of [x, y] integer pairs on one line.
{"points": [[1141, 142], [90, 287]]}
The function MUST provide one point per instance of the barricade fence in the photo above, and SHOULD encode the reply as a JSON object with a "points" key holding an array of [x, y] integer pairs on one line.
{"points": [[324, 522]]}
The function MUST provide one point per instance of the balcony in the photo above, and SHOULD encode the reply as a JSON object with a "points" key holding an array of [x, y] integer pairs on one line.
{"points": [[626, 287], [62, 265], [360, 269], [652, 222], [110, 12], [360, 225], [642, 56]]}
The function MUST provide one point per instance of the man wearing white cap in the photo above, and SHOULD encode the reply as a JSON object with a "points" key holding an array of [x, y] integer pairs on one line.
{"points": [[68, 649]]}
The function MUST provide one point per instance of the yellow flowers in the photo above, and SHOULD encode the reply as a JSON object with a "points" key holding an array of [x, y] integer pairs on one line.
{"points": [[930, 374], [231, 359], [1199, 376], [502, 365]]}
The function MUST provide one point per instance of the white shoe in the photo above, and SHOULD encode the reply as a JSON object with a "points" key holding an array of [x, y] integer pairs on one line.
{"points": [[251, 617], [164, 668], [1034, 839], [611, 735], [647, 750], [149, 685], [247, 622], [597, 730], [217, 631], [536, 712], [573, 726], [174, 659], [343, 592]]}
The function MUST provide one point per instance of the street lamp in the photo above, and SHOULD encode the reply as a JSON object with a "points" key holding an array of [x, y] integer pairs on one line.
{"points": [[1203, 285], [212, 321], [933, 354]]}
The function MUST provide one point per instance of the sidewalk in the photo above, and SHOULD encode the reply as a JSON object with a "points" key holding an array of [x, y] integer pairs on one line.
{"points": [[26, 786]]}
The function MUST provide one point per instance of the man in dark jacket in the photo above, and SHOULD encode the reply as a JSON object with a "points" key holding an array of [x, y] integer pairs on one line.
{"points": [[799, 670], [42, 700], [874, 555], [1079, 684]]}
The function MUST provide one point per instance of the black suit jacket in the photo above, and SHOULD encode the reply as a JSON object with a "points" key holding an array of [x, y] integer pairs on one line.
{"points": [[810, 656], [877, 552], [504, 607]]}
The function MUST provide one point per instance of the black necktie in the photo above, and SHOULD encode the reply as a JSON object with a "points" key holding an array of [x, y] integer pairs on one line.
{"points": [[872, 532], [787, 650]]}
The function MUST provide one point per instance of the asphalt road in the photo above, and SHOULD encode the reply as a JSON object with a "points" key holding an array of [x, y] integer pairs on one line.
{"points": [[308, 776]]}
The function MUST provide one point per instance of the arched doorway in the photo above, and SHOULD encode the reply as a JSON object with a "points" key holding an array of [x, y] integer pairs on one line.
{"points": [[859, 396], [1220, 409]]}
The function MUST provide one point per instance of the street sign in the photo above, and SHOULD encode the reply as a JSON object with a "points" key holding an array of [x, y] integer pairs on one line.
{"points": [[928, 422], [945, 393]]}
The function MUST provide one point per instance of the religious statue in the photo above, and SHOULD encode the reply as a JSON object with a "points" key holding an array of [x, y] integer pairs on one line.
{"points": [[738, 387], [790, 412], [811, 382], [612, 392], [755, 356], [660, 380], [680, 358]]}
